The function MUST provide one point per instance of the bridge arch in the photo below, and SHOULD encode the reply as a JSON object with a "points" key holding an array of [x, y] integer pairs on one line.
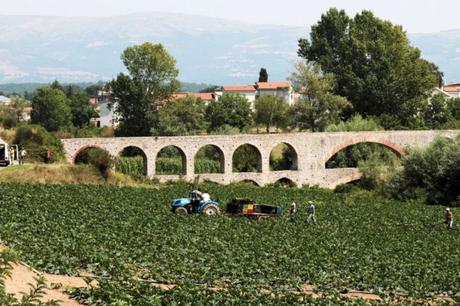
{"points": [[83, 149], [167, 161], [390, 145], [213, 154], [249, 182], [246, 158], [288, 157], [285, 182], [133, 151]]}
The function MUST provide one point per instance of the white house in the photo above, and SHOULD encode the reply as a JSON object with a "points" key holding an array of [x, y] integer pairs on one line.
{"points": [[247, 91], [251, 92], [280, 89], [105, 108], [452, 90], [5, 100]]}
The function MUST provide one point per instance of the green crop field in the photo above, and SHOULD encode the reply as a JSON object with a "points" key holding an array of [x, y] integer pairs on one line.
{"points": [[361, 242]]}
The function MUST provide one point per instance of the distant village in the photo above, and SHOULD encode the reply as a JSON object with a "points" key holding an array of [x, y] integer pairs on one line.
{"points": [[107, 117]]}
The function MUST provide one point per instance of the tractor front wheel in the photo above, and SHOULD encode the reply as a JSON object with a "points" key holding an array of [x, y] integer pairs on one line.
{"points": [[181, 211], [211, 210]]}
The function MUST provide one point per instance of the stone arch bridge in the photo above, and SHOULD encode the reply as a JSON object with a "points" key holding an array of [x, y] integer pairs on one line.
{"points": [[312, 150]]}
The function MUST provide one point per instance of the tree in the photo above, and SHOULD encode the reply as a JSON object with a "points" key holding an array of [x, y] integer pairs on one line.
{"points": [[134, 109], [230, 110], [318, 107], [271, 111], [154, 68], [436, 112], [82, 111], [432, 173], [18, 105], [92, 89], [185, 116], [151, 80], [373, 62], [51, 109], [263, 75], [57, 85]]}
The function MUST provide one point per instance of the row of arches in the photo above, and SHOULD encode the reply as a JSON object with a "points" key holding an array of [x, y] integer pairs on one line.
{"points": [[171, 160]]}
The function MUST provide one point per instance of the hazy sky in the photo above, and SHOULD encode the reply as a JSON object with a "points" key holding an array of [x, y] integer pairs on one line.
{"points": [[415, 15]]}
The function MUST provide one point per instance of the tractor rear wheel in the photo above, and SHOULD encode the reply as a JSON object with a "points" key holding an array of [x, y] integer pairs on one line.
{"points": [[181, 211], [211, 210]]}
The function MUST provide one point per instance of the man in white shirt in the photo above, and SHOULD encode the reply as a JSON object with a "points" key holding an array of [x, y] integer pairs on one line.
{"points": [[206, 197]]}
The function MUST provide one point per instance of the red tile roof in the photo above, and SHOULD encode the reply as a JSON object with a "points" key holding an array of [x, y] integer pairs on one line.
{"points": [[452, 88], [273, 85], [92, 101], [205, 96], [239, 88]]}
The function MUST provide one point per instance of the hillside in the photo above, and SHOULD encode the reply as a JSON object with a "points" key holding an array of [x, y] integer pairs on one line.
{"points": [[208, 50]]}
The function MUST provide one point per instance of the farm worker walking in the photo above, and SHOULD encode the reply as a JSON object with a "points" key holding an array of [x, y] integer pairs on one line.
{"points": [[22, 155], [292, 211], [311, 210], [449, 218], [205, 196]]}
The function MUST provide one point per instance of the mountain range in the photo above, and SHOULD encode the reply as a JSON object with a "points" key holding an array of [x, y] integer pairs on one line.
{"points": [[207, 50]]}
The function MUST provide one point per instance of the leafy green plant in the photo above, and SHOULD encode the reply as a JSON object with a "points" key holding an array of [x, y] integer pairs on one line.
{"points": [[361, 242]]}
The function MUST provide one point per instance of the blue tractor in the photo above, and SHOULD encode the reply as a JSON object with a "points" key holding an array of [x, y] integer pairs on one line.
{"points": [[184, 206]]}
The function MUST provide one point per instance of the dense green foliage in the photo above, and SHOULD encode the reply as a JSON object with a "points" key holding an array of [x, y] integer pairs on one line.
{"points": [[247, 158], [263, 75], [173, 165], [352, 155], [184, 116], [441, 112], [51, 109], [360, 242], [318, 106], [270, 111], [283, 157], [355, 124], [100, 159], [231, 110], [152, 79], [35, 139], [82, 111], [133, 166], [432, 173], [375, 66]]}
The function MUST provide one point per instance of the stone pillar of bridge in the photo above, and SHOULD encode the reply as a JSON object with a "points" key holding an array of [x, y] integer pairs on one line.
{"points": [[189, 165], [151, 160], [227, 164]]}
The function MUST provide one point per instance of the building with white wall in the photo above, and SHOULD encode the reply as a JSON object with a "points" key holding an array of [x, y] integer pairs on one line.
{"points": [[453, 90]]}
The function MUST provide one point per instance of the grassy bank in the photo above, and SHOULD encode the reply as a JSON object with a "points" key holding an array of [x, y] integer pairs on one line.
{"points": [[63, 174]]}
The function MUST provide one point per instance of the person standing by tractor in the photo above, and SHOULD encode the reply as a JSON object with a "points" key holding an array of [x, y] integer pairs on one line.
{"points": [[205, 196], [197, 197], [12, 159], [311, 210], [292, 211], [449, 218]]}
